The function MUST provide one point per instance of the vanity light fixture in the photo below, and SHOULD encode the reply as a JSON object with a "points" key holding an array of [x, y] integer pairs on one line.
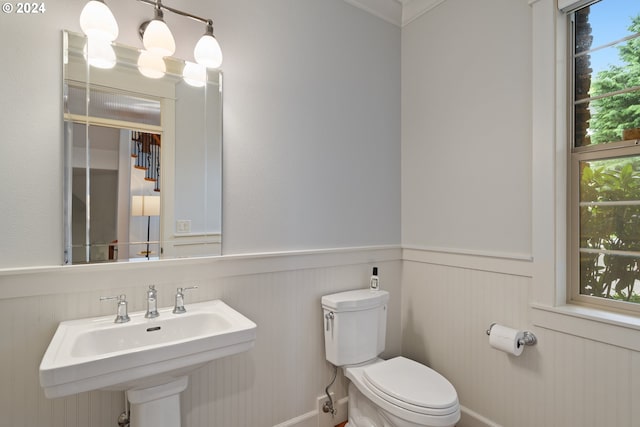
{"points": [[207, 51], [156, 35], [98, 23]]}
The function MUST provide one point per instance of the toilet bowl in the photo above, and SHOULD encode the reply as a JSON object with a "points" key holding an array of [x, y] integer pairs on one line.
{"points": [[400, 392]]}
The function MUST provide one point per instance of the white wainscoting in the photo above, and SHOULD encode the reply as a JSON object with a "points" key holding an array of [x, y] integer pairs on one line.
{"points": [[449, 300], [276, 382]]}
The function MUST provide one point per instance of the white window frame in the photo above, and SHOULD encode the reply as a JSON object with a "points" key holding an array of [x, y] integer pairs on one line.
{"points": [[551, 309], [592, 152]]}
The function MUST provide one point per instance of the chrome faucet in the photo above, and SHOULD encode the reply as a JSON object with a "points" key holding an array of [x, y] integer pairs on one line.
{"points": [[121, 315], [179, 307], [152, 303]]}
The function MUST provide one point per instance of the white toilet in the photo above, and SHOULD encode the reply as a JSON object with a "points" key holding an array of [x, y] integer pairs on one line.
{"points": [[383, 393]]}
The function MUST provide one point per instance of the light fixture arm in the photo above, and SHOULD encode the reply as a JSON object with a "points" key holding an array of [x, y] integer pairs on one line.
{"points": [[159, 6], [159, 14], [209, 31]]}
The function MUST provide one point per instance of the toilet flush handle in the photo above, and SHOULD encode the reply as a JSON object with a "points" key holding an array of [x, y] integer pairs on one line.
{"points": [[329, 317]]}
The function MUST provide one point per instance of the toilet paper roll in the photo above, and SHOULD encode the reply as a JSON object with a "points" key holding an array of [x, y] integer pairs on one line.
{"points": [[506, 339]]}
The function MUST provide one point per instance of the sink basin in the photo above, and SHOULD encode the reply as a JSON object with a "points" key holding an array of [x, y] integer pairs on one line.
{"points": [[96, 353]]}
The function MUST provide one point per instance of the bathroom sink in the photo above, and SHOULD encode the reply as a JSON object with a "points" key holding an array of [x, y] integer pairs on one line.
{"points": [[96, 353]]}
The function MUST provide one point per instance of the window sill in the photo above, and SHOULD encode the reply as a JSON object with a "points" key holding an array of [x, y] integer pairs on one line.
{"points": [[595, 324]]}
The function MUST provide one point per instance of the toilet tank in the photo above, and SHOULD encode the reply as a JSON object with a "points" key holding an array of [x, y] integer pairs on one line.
{"points": [[355, 325]]}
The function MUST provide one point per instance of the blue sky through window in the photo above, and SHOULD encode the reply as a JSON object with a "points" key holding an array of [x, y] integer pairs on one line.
{"points": [[610, 20]]}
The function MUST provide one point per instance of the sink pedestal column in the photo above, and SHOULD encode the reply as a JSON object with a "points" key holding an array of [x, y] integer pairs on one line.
{"points": [[157, 406]]}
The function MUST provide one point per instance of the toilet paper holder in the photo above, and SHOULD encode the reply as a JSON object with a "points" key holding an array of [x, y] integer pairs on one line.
{"points": [[528, 337]]}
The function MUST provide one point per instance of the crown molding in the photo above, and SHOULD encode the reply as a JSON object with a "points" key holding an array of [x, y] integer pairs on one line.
{"points": [[397, 12], [413, 9], [387, 10]]}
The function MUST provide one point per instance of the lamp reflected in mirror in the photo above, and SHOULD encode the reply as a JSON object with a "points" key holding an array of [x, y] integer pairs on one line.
{"points": [[100, 54], [194, 74], [146, 206], [151, 66]]}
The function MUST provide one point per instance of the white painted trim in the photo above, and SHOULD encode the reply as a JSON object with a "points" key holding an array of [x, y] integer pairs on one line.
{"points": [[413, 9], [471, 252], [517, 265], [591, 323], [294, 422], [397, 12], [570, 5], [549, 191], [32, 281], [387, 10], [469, 418], [473, 419]]}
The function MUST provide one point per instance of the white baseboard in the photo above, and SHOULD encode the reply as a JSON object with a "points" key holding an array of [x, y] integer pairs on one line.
{"points": [[305, 420], [317, 418], [473, 419]]}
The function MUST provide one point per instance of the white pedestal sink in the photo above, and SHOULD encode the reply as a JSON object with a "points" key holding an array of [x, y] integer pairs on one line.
{"points": [[148, 358]]}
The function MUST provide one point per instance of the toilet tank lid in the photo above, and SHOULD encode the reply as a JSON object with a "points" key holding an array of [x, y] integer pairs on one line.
{"points": [[359, 299]]}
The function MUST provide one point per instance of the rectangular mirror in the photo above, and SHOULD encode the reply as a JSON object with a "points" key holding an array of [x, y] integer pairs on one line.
{"points": [[143, 155]]}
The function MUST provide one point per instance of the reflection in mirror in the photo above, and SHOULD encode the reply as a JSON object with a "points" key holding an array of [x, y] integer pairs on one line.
{"points": [[142, 158]]}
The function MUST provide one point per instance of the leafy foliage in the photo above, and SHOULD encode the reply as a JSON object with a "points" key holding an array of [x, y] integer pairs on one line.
{"points": [[611, 115], [612, 227]]}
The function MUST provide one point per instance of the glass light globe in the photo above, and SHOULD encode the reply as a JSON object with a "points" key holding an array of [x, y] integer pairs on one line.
{"points": [[97, 21], [194, 74], [100, 54], [158, 39], [207, 52], [151, 65]]}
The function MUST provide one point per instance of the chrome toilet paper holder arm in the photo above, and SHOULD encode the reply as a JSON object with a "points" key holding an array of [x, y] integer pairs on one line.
{"points": [[528, 337]]}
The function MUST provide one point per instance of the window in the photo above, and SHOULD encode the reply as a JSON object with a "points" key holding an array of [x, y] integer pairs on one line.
{"points": [[604, 170]]}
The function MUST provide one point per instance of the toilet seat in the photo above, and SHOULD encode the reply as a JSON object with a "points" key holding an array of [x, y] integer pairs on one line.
{"points": [[411, 386]]}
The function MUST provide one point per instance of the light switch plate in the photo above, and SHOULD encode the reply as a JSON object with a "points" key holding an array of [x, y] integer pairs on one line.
{"points": [[183, 226]]}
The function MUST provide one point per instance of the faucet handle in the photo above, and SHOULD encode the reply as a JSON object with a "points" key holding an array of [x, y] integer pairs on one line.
{"points": [[152, 303], [179, 307], [122, 316]]}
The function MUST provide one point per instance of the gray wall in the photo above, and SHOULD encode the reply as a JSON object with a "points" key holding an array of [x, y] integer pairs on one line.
{"points": [[311, 124], [466, 128]]}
